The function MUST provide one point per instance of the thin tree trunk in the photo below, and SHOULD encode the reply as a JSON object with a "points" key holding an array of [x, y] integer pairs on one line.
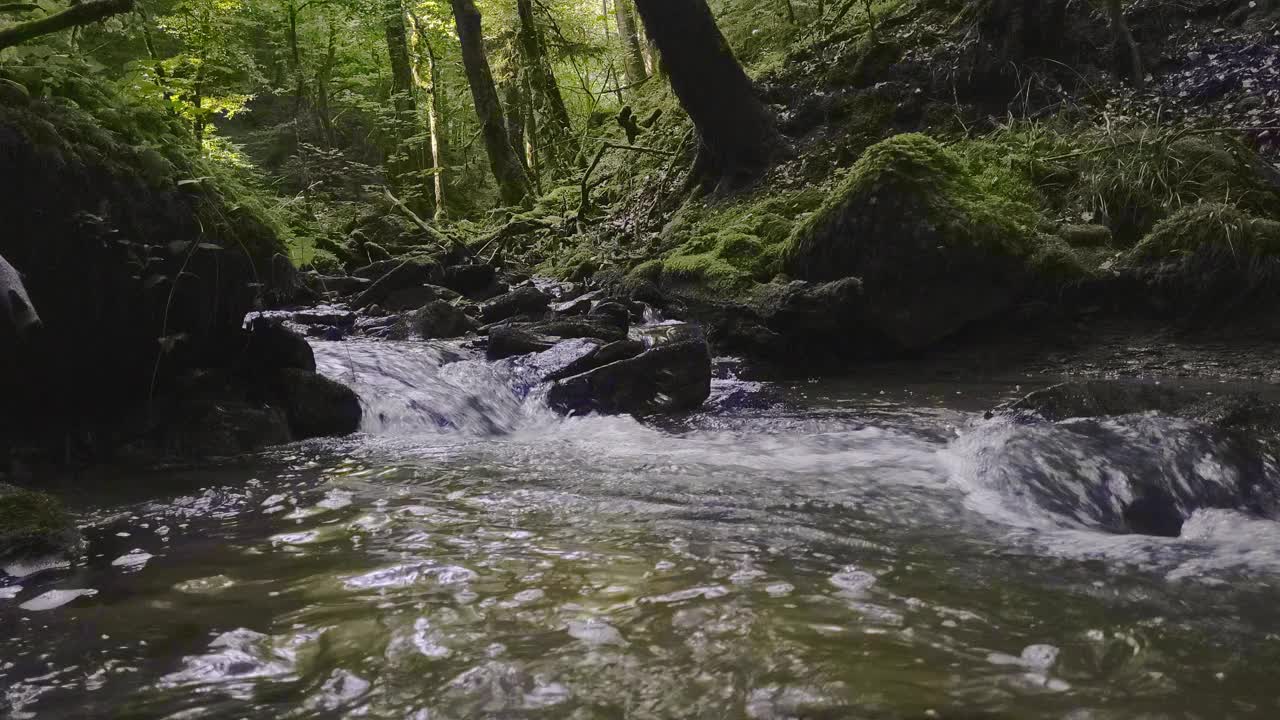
{"points": [[401, 68], [197, 100], [323, 111], [791, 11], [161, 76], [544, 90], [295, 60], [404, 100], [1124, 40], [434, 119], [632, 54], [738, 135], [508, 171], [513, 103]]}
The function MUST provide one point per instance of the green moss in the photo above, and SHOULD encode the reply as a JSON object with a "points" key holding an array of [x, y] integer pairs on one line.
{"points": [[33, 523], [910, 185], [706, 270], [1054, 260], [650, 270], [1086, 236], [1210, 233]]}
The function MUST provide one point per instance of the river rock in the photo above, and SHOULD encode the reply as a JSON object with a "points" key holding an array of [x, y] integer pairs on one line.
{"points": [[314, 405], [474, 281], [515, 339], [375, 270], [598, 356], [668, 378], [521, 301], [579, 305], [1098, 398], [338, 284], [269, 346], [613, 313], [226, 427], [34, 524], [413, 272], [325, 315], [438, 320], [413, 298]]}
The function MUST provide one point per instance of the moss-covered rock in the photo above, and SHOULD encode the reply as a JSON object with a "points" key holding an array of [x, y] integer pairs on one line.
{"points": [[1210, 252], [934, 248], [33, 523]]}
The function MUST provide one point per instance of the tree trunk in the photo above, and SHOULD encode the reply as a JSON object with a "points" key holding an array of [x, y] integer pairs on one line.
{"points": [[544, 90], [162, 77], [513, 104], [197, 101], [434, 119], [404, 101], [633, 55], [323, 112], [737, 134], [1124, 41], [513, 181], [401, 68]]}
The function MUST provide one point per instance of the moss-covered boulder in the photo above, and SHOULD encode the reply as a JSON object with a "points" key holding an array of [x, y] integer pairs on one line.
{"points": [[33, 523], [1210, 254], [935, 248], [141, 256]]}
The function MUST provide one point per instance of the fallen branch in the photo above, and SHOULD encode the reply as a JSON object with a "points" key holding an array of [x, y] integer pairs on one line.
{"points": [[439, 238], [585, 204], [18, 7], [74, 16]]}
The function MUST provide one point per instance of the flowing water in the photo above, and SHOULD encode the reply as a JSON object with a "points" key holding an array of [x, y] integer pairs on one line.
{"points": [[868, 549]]}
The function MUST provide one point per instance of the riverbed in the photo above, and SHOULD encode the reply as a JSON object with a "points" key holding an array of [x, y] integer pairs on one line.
{"points": [[843, 548]]}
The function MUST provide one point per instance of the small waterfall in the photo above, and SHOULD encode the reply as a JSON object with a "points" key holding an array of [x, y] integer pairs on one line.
{"points": [[410, 388]]}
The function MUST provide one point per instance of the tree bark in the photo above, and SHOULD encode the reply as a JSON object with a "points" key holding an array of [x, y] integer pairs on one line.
{"points": [[404, 100], [738, 136], [161, 76], [434, 118], [544, 90], [1124, 40], [325, 74], [74, 16], [508, 171], [398, 50], [633, 55]]}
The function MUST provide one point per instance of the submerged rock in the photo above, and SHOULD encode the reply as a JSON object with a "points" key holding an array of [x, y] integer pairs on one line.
{"points": [[1098, 398], [33, 523], [668, 378], [315, 405], [1222, 451]]}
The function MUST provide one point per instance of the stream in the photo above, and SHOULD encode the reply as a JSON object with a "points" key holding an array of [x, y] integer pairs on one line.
{"points": [[858, 548]]}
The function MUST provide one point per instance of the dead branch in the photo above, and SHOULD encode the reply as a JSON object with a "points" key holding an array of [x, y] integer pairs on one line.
{"points": [[74, 16]]}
